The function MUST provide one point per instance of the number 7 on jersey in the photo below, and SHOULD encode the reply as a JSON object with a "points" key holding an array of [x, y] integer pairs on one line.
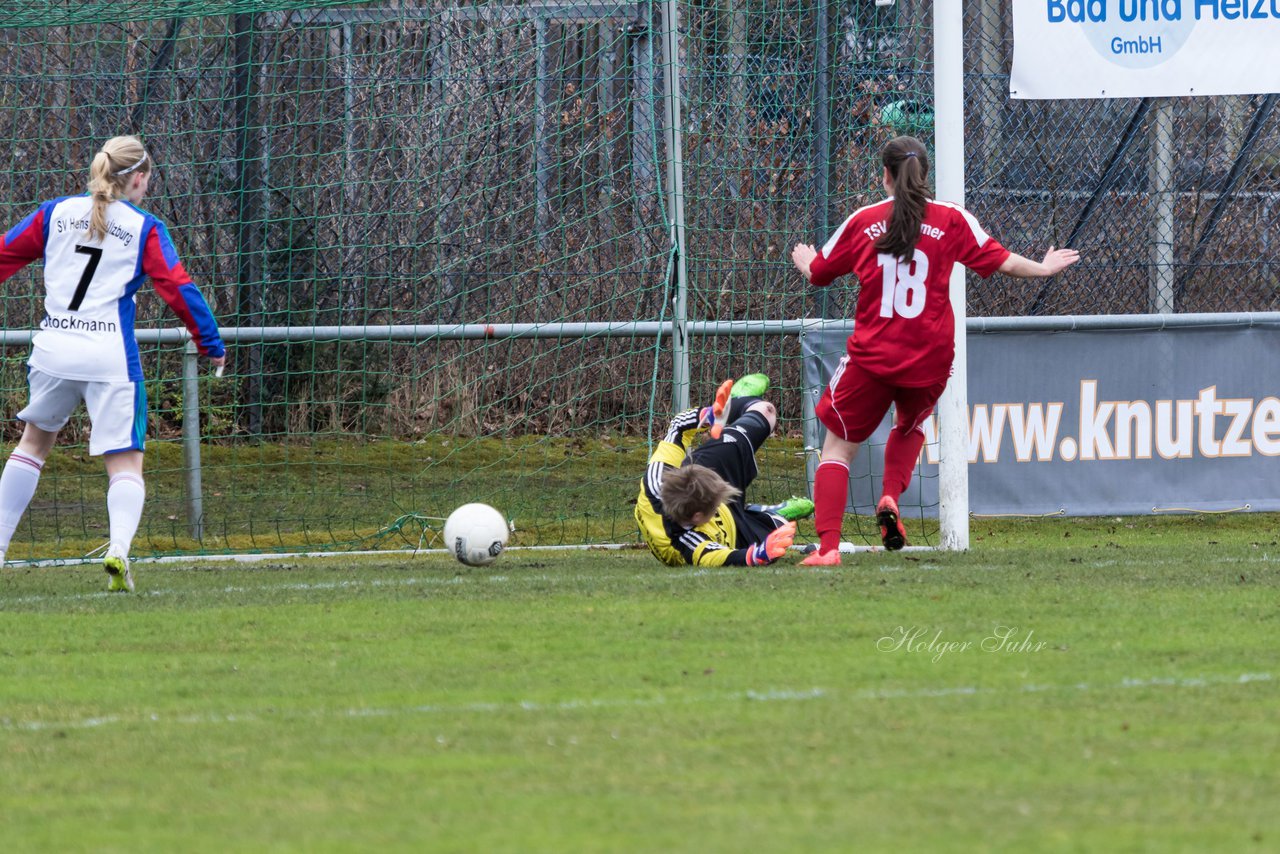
{"points": [[95, 255]]}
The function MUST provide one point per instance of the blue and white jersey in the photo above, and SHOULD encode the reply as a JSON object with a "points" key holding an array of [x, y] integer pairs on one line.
{"points": [[91, 287]]}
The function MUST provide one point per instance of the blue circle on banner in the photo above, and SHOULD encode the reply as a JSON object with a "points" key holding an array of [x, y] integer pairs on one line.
{"points": [[1138, 43]]}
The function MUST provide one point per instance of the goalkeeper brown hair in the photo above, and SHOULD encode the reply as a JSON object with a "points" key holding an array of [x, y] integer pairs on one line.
{"points": [[694, 489]]}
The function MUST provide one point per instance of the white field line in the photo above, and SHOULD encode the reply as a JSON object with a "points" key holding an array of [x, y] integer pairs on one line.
{"points": [[416, 581], [258, 557], [776, 695], [657, 572]]}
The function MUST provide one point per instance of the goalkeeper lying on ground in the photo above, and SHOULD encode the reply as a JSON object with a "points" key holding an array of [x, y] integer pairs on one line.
{"points": [[691, 508]]}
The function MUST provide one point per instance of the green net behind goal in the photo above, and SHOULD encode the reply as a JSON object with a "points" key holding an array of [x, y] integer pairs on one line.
{"points": [[365, 166], [340, 170], [787, 105]]}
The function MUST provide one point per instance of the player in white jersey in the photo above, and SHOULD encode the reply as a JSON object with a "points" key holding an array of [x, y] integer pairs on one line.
{"points": [[97, 249]]}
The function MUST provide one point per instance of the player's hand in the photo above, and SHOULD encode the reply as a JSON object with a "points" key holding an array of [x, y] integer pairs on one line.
{"points": [[218, 361], [1057, 260], [774, 546], [715, 416], [685, 426], [802, 256]]}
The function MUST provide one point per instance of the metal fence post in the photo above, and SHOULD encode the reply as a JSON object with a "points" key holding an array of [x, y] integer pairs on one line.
{"points": [[1162, 187], [822, 145], [191, 439], [674, 119]]}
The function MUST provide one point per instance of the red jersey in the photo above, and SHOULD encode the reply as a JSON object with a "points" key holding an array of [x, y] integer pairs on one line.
{"points": [[904, 329]]}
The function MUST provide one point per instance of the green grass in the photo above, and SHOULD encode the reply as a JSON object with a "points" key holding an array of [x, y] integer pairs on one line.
{"points": [[330, 494], [313, 494], [597, 701]]}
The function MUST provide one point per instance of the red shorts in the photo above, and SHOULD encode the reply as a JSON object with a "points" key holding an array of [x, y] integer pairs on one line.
{"points": [[855, 402]]}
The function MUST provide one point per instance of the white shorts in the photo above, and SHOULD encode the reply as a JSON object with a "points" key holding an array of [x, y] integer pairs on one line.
{"points": [[117, 410]]}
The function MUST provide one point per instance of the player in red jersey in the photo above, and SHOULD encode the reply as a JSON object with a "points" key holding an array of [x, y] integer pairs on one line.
{"points": [[902, 250]]}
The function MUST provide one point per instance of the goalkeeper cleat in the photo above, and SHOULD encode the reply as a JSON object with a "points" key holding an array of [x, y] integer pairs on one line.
{"points": [[719, 409], [119, 578], [792, 509], [892, 533], [821, 558], [752, 385]]}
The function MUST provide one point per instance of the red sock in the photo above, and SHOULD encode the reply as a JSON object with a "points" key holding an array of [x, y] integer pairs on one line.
{"points": [[901, 451], [830, 494]]}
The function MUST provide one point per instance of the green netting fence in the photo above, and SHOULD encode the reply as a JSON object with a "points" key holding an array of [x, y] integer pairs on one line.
{"points": [[366, 165], [439, 163]]}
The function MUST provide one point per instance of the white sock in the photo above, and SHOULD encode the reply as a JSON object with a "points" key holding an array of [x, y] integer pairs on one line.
{"points": [[17, 485], [126, 494]]}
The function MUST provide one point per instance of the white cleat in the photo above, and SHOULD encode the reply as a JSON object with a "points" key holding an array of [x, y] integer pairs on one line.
{"points": [[119, 578]]}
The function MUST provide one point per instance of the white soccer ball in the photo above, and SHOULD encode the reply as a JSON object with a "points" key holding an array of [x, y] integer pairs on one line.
{"points": [[476, 534]]}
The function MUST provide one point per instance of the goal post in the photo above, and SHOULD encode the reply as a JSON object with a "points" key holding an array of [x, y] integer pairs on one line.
{"points": [[953, 408], [952, 413]]}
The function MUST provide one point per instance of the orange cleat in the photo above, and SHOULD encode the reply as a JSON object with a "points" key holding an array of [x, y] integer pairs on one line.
{"points": [[718, 408], [819, 558], [892, 533]]}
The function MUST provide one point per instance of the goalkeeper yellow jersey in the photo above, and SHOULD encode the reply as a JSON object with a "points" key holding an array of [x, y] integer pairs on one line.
{"points": [[712, 544]]}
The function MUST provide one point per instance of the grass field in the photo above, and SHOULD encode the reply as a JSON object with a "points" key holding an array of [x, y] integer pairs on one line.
{"points": [[306, 494], [1068, 685]]}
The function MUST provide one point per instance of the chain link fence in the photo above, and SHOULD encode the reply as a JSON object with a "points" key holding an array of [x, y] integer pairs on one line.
{"points": [[787, 108]]}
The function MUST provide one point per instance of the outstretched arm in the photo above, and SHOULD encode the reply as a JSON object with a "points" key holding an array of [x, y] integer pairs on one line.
{"points": [[22, 244], [700, 550], [802, 256], [160, 262], [1055, 261]]}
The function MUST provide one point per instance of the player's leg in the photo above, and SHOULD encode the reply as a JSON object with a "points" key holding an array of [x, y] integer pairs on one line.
{"points": [[733, 398], [830, 496], [794, 508], [756, 430], [901, 451], [733, 457], [851, 408], [751, 421], [118, 412], [126, 495], [760, 519], [20, 478], [49, 405]]}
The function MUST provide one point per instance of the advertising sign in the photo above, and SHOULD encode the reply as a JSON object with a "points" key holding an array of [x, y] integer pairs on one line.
{"points": [[1101, 422], [1144, 48]]}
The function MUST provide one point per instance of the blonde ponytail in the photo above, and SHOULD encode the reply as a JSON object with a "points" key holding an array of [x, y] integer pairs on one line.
{"points": [[109, 175]]}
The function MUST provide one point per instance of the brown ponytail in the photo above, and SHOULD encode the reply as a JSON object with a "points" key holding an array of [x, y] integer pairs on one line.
{"points": [[908, 166], [109, 175]]}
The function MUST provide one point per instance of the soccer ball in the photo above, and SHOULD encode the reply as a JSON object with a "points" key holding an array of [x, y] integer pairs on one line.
{"points": [[476, 534]]}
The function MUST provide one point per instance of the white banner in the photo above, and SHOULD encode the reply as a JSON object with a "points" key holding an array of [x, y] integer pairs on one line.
{"points": [[1144, 48]]}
